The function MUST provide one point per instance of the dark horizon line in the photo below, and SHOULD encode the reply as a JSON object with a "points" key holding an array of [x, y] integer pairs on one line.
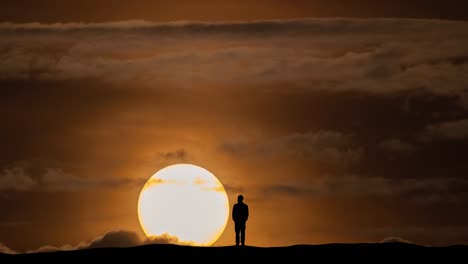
{"points": [[320, 245], [234, 21], [329, 251]]}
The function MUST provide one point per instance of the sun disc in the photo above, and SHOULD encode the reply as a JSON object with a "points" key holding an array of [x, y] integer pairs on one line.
{"points": [[185, 203]]}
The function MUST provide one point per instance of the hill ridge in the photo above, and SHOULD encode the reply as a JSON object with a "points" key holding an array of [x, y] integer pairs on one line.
{"points": [[331, 251]]}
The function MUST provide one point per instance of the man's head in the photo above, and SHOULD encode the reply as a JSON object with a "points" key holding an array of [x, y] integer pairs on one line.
{"points": [[240, 198]]}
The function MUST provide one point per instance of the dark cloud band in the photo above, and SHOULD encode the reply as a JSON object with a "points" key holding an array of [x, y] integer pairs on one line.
{"points": [[371, 55]]}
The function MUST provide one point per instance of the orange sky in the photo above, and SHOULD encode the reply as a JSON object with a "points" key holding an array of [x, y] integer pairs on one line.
{"points": [[334, 130], [213, 10]]}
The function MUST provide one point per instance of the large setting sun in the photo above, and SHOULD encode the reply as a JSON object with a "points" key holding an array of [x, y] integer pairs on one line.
{"points": [[185, 202]]}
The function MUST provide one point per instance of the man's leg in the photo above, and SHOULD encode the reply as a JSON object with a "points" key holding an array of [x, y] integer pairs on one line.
{"points": [[242, 231], [237, 229]]}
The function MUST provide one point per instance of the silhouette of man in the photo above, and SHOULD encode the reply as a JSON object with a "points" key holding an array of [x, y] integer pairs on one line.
{"points": [[240, 214]]}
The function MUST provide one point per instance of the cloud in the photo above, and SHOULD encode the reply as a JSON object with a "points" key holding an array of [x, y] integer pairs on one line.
{"points": [[54, 179], [6, 250], [16, 179], [53, 249], [166, 158], [33, 177], [166, 239], [323, 146], [233, 188], [370, 55], [116, 238], [393, 239], [288, 190], [178, 155], [447, 235], [396, 145], [234, 148], [418, 191], [450, 130]]}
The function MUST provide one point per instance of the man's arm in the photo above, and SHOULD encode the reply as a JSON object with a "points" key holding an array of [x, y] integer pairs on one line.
{"points": [[247, 212], [234, 212]]}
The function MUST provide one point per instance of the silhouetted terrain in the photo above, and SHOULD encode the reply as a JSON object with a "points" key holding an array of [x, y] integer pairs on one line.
{"points": [[377, 252]]}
